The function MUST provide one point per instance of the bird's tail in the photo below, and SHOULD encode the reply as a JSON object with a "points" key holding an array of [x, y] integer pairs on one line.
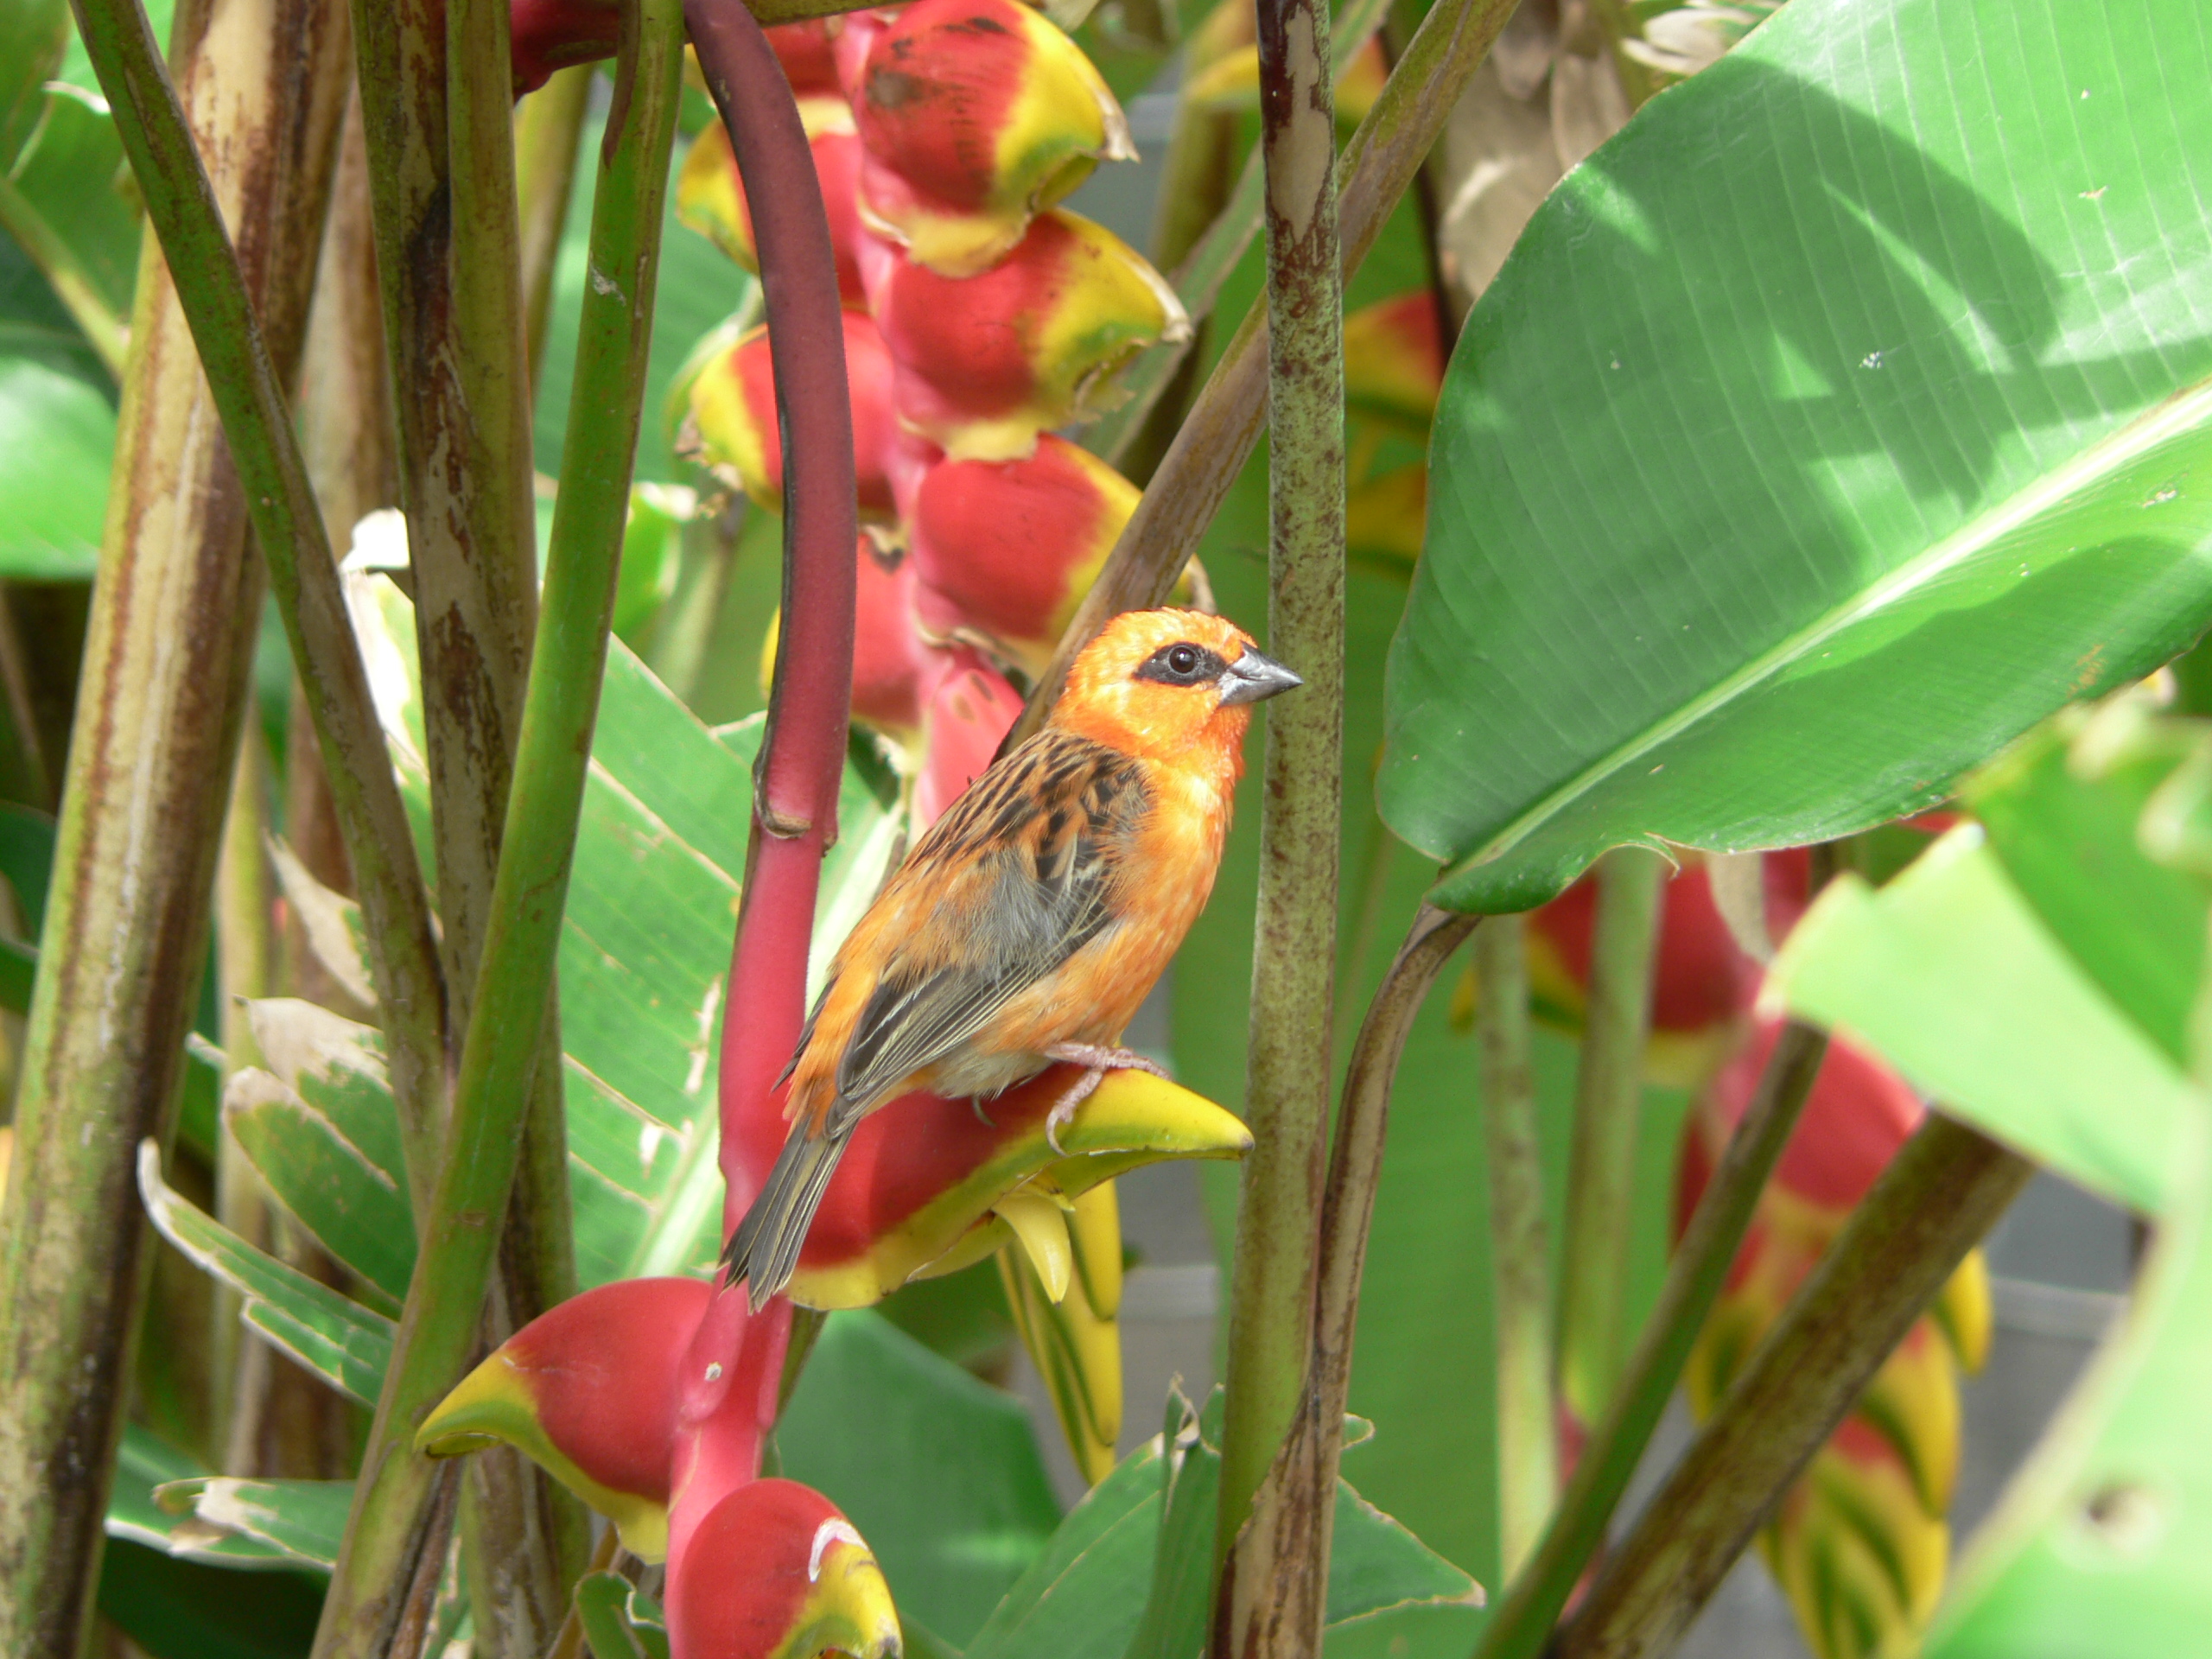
{"points": [[764, 1249]]}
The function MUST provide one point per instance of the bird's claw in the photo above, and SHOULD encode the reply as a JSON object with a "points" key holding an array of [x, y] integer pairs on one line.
{"points": [[1063, 1109]]}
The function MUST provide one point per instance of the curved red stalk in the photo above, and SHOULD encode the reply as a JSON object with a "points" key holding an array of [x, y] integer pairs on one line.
{"points": [[727, 1392], [803, 753]]}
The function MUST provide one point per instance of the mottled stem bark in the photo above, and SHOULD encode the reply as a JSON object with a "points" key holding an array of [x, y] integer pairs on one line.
{"points": [[1608, 1100], [1520, 1278], [149, 773], [1289, 1063], [1943, 1191]]}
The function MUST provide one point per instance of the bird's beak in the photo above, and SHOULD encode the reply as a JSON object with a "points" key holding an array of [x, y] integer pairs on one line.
{"points": [[1254, 678]]}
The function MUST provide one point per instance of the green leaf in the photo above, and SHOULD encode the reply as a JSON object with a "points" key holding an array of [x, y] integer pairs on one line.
{"points": [[603, 1601], [345, 1343], [2099, 1544], [57, 441], [1078, 1599], [1818, 437], [144, 1466], [653, 552], [34, 34], [300, 1521], [357, 1212], [2063, 811], [939, 1472], [27, 858], [1115, 1580], [71, 174], [186, 1609], [1950, 975]]}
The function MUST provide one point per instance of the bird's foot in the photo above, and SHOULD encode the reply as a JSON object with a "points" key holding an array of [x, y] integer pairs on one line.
{"points": [[976, 1105], [1103, 1057], [1096, 1060]]}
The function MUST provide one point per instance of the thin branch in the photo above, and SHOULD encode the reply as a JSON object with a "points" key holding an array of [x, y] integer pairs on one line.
{"points": [[1608, 1100], [1943, 1191], [1224, 421], [1524, 1621], [438, 1329]]}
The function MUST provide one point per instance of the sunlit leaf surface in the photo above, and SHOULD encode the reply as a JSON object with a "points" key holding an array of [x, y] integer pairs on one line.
{"points": [[1816, 439]]}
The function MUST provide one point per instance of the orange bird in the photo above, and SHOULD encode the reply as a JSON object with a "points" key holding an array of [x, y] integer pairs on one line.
{"points": [[1031, 919]]}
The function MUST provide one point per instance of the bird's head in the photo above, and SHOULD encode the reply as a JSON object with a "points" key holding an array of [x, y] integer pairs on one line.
{"points": [[1162, 683]]}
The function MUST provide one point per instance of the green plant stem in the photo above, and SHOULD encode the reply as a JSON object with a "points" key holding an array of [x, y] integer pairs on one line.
{"points": [[1289, 1064], [66, 274], [437, 1331], [1524, 1621], [1527, 1433], [1943, 1191], [524, 1538], [245, 966], [1608, 1100], [1277, 1586], [1216, 439], [549, 126], [158, 712]]}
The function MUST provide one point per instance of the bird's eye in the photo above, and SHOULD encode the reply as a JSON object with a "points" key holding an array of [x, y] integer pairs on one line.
{"points": [[1182, 664]]}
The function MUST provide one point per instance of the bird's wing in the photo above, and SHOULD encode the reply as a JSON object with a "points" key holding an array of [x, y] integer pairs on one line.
{"points": [[1026, 861]]}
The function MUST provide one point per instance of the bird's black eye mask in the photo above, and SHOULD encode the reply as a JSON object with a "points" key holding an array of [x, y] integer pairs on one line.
{"points": [[1182, 664]]}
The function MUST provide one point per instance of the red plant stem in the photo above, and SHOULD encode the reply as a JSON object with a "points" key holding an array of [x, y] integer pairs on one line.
{"points": [[729, 1390], [803, 752]]}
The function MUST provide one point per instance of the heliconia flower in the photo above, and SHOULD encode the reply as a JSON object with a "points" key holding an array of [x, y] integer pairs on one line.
{"points": [[893, 668], [930, 1186], [710, 197], [1860, 1543], [1703, 984], [986, 363], [1386, 517], [890, 666], [587, 1390], [808, 51], [969, 707], [852, 37], [1394, 362], [1007, 548], [733, 408], [973, 116], [546, 36], [775, 1572], [1075, 1337]]}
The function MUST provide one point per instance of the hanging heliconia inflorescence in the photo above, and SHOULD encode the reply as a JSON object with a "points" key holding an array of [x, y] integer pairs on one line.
{"points": [[981, 319], [978, 319]]}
